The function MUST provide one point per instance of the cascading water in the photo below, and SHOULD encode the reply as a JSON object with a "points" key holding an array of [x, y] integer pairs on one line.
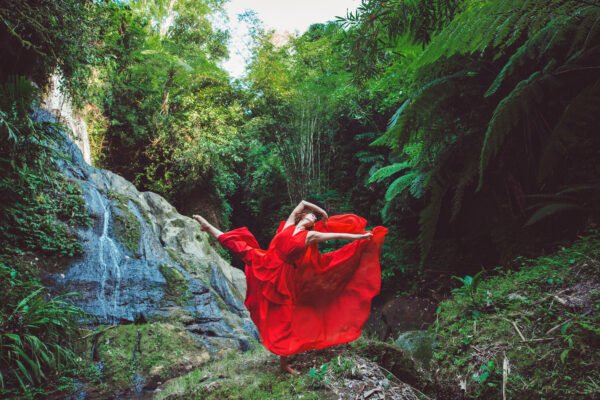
{"points": [[109, 259]]}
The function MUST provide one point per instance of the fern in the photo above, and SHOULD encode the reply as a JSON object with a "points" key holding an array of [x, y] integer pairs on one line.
{"points": [[565, 37], [511, 111], [496, 25], [582, 111], [399, 185], [581, 198], [429, 217], [549, 210], [466, 177], [388, 171], [415, 111]]}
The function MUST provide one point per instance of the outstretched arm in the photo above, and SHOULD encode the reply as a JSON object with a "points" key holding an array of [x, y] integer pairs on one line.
{"points": [[317, 237], [207, 227]]}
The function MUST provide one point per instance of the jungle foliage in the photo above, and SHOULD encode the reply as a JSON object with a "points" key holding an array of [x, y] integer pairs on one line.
{"points": [[467, 127]]}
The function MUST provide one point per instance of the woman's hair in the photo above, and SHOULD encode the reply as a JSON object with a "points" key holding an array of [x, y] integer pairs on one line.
{"points": [[301, 216]]}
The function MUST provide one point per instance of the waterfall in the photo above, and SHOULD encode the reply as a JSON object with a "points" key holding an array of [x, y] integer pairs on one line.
{"points": [[59, 104], [109, 261]]}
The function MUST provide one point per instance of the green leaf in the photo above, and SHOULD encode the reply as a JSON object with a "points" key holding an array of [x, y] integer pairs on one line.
{"points": [[550, 210], [388, 171], [563, 355], [399, 185], [511, 111]]}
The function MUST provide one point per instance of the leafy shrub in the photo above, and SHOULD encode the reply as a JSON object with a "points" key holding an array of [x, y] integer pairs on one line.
{"points": [[36, 333], [38, 206]]}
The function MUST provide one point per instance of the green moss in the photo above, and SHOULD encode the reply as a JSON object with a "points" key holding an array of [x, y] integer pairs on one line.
{"points": [[251, 375], [178, 259], [157, 351], [555, 361], [126, 226], [177, 287]]}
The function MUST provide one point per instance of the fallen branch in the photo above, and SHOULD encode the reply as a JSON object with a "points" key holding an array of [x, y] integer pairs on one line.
{"points": [[557, 326], [538, 340], [517, 329], [97, 332], [505, 373], [561, 301], [404, 383]]}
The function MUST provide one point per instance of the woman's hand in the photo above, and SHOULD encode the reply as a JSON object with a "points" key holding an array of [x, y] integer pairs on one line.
{"points": [[367, 235], [315, 208]]}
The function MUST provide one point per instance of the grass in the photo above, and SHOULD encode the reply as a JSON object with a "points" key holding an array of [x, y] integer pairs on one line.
{"points": [[540, 321], [251, 375]]}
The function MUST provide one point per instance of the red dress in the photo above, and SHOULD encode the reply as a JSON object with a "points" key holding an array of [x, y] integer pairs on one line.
{"points": [[300, 299]]}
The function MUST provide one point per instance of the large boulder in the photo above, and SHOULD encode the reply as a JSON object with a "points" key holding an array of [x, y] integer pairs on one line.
{"points": [[417, 344], [143, 261]]}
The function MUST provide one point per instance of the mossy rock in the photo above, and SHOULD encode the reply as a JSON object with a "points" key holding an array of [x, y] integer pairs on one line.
{"points": [[126, 226], [177, 289], [393, 359], [253, 375], [155, 352], [418, 344]]}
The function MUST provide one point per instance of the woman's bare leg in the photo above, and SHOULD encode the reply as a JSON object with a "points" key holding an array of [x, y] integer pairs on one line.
{"points": [[285, 367], [207, 227]]}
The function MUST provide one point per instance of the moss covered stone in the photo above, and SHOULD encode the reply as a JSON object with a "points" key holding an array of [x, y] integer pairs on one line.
{"points": [[153, 352], [126, 226], [177, 289]]}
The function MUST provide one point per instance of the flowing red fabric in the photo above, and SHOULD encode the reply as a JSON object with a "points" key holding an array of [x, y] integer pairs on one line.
{"points": [[300, 299]]}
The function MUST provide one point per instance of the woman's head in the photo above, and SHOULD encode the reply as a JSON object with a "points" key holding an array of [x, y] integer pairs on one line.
{"points": [[306, 219]]}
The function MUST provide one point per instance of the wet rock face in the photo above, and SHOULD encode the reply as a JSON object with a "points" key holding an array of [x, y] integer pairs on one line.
{"points": [[143, 260]]}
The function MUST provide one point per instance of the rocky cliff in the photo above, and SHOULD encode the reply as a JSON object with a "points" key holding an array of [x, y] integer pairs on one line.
{"points": [[144, 261]]}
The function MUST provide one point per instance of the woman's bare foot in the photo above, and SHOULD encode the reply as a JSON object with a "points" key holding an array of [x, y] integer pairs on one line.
{"points": [[285, 367], [204, 224]]}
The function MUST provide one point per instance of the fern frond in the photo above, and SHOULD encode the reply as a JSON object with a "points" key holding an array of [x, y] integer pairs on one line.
{"points": [[510, 112], [466, 177], [582, 111], [550, 210], [497, 25], [562, 38], [388, 171], [418, 107], [399, 185], [428, 219], [419, 184]]}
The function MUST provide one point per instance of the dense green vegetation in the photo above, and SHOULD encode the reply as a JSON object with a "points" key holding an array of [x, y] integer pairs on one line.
{"points": [[468, 127], [537, 324]]}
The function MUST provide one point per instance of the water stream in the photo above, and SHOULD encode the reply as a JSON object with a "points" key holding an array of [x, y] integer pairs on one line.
{"points": [[109, 259]]}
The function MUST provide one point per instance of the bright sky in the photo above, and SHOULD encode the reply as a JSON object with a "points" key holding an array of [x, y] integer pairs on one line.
{"points": [[283, 16]]}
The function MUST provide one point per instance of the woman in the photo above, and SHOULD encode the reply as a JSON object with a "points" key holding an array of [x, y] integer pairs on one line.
{"points": [[298, 298]]}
